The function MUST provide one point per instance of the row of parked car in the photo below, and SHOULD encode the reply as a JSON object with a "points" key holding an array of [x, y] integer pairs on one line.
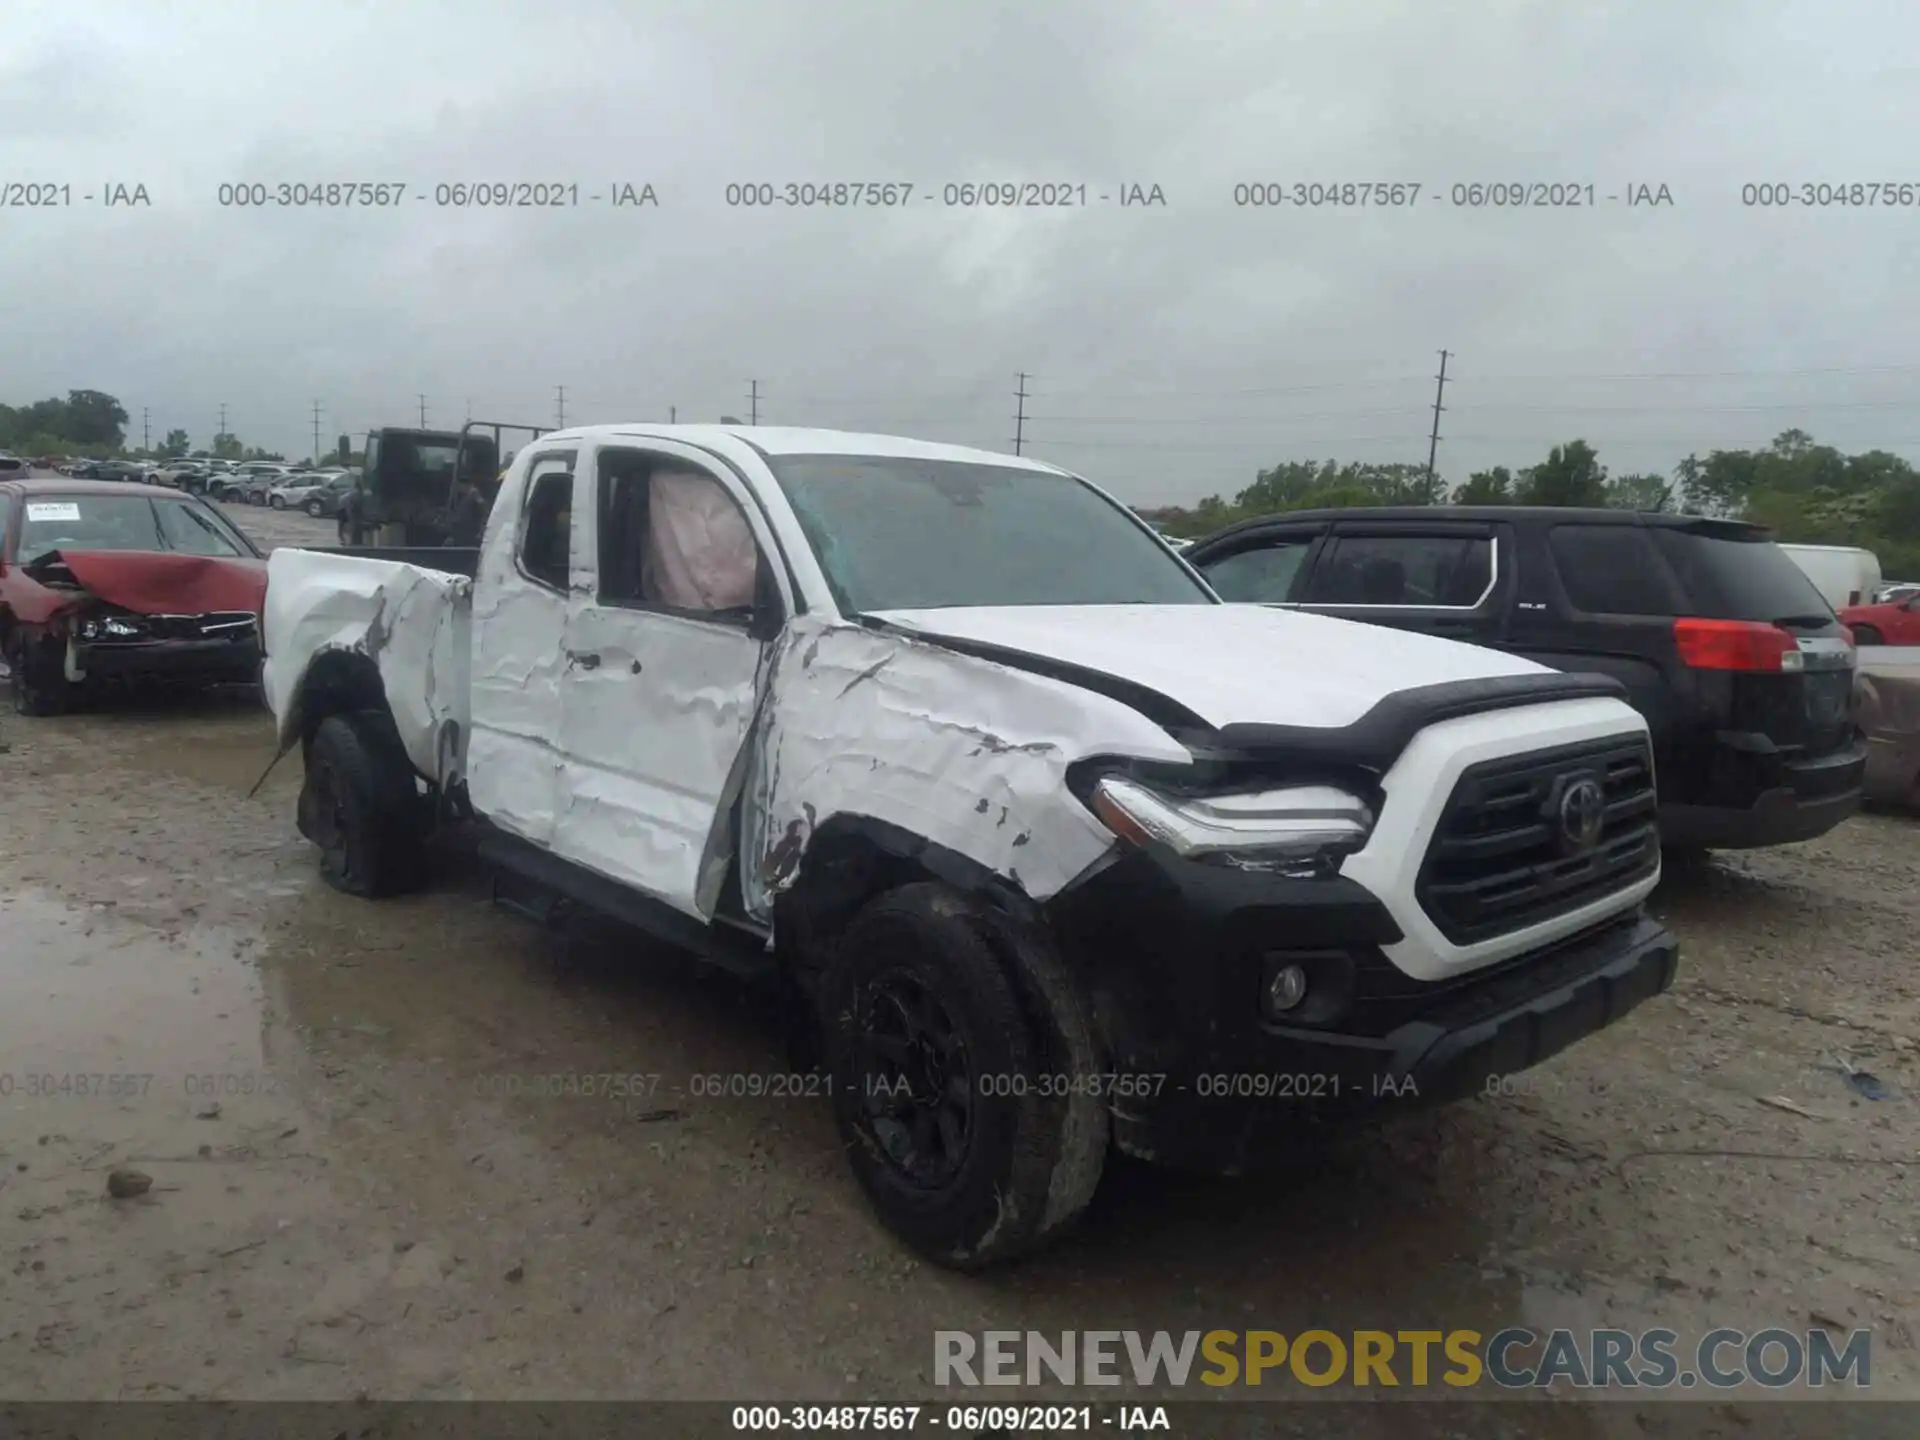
{"points": [[318, 490]]}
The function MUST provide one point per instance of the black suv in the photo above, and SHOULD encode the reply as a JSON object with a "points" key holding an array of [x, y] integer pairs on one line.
{"points": [[1741, 668]]}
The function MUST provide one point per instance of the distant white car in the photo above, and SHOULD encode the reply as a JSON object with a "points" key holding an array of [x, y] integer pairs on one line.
{"points": [[298, 491], [177, 473], [1899, 590]]}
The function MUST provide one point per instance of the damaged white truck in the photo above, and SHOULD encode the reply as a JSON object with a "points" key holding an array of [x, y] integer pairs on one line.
{"points": [[1062, 852]]}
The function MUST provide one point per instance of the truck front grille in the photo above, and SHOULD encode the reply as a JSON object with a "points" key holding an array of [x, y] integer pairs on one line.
{"points": [[1508, 852]]}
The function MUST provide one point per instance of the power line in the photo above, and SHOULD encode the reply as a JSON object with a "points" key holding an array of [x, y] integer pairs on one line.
{"points": [[1272, 442], [1707, 374]]}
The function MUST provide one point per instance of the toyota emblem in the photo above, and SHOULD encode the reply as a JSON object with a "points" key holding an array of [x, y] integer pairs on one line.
{"points": [[1583, 813]]}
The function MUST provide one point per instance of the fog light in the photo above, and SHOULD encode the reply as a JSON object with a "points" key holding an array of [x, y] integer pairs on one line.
{"points": [[1286, 989]]}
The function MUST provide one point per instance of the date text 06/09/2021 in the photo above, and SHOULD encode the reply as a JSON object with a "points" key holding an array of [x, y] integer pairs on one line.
{"points": [[953, 1419], [1336, 194]]}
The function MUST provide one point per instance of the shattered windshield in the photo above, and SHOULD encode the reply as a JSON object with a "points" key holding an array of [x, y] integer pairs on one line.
{"points": [[118, 522], [893, 533]]}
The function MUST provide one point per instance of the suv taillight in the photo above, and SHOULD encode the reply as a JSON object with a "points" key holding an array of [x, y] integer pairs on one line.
{"points": [[1736, 645]]}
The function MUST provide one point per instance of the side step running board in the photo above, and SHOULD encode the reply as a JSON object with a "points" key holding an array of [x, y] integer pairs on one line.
{"points": [[543, 880]]}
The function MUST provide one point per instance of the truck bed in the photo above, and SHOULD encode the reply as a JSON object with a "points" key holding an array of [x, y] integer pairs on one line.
{"points": [[450, 559], [400, 616]]}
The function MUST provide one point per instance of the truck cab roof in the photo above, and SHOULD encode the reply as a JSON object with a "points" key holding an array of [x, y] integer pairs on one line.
{"points": [[796, 440]]}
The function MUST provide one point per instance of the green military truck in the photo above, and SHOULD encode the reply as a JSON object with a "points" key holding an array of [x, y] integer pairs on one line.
{"points": [[426, 489]]}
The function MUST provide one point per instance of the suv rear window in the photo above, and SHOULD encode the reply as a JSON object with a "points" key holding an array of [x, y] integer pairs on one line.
{"points": [[1730, 577], [1613, 570]]}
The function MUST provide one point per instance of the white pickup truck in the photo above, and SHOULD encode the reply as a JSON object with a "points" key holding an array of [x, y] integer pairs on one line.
{"points": [[1060, 851]]}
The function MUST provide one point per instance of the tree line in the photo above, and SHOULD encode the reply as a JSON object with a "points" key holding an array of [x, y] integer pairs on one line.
{"points": [[93, 424], [1804, 491]]}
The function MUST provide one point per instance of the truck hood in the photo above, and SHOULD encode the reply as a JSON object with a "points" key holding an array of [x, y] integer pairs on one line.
{"points": [[156, 582], [1228, 664]]}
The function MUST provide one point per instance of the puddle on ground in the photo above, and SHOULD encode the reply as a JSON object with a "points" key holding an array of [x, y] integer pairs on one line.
{"points": [[85, 994], [123, 1046]]}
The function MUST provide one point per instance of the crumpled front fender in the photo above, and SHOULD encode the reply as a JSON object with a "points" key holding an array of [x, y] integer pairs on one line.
{"points": [[966, 753]]}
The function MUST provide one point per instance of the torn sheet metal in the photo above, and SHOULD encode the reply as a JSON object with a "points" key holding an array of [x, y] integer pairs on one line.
{"points": [[519, 661], [156, 583], [1889, 691], [411, 622], [964, 752], [146, 583], [650, 732]]}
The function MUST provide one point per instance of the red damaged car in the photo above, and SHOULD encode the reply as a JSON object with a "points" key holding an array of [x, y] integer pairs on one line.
{"points": [[111, 583]]}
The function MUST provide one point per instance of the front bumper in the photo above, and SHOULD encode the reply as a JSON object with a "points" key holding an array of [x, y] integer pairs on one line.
{"points": [[1173, 955], [206, 662]]}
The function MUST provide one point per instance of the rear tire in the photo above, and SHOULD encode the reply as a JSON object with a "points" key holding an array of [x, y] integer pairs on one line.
{"points": [[277, 502], [360, 805], [933, 1012], [1867, 635], [37, 682]]}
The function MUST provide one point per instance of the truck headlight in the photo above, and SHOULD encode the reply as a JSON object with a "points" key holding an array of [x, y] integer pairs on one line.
{"points": [[1302, 831]]}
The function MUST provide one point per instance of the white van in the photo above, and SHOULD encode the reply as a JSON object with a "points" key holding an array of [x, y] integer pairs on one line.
{"points": [[1844, 574]]}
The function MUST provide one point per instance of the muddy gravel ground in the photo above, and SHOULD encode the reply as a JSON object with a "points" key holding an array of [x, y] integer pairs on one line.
{"points": [[353, 1192]]}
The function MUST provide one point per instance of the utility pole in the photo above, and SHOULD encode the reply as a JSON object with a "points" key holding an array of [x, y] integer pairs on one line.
{"points": [[146, 441], [753, 402], [1020, 414], [560, 407], [1433, 441], [223, 419], [316, 432], [423, 412], [469, 409], [673, 414]]}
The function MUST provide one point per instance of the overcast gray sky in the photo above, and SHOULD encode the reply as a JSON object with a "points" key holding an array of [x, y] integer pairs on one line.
{"points": [[1173, 350]]}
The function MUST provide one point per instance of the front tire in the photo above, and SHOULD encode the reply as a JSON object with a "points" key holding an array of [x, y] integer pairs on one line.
{"points": [[962, 1064], [315, 509], [278, 502], [360, 805], [37, 681]]}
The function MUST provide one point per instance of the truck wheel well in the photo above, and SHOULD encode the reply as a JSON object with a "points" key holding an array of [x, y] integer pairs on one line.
{"points": [[338, 682], [852, 858]]}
